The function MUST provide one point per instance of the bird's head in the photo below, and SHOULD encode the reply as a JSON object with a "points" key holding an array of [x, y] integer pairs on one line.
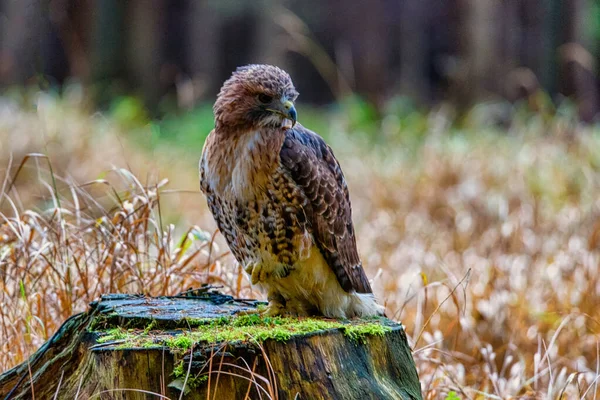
{"points": [[256, 96]]}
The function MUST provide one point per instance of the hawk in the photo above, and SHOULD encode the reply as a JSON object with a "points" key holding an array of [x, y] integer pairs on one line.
{"points": [[279, 197]]}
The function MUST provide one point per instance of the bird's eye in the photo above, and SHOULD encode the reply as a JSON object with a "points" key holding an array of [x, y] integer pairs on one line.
{"points": [[264, 98]]}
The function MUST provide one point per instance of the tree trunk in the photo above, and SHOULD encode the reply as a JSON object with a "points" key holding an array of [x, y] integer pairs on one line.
{"points": [[129, 347]]}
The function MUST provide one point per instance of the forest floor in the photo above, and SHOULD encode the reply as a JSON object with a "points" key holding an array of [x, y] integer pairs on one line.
{"points": [[482, 237]]}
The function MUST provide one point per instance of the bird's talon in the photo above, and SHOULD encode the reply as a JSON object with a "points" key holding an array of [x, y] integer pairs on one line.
{"points": [[283, 271], [249, 268], [274, 309], [257, 273], [260, 273], [264, 275]]}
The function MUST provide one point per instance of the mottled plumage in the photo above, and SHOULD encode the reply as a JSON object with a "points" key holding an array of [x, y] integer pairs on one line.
{"points": [[280, 199]]}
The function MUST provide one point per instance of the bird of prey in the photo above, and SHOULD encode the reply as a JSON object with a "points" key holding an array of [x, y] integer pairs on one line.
{"points": [[280, 199]]}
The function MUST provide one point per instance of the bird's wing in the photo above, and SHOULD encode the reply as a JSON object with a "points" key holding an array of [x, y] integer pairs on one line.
{"points": [[312, 165]]}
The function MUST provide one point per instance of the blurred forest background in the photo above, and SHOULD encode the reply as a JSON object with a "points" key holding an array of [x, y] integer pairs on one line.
{"points": [[177, 53], [468, 131]]}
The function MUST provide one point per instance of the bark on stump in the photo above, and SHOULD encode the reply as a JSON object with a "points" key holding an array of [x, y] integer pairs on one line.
{"points": [[127, 346]]}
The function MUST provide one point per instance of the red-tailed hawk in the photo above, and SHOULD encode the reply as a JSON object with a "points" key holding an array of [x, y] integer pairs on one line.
{"points": [[280, 199]]}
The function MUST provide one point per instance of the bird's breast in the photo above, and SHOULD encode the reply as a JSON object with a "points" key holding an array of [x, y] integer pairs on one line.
{"points": [[240, 168]]}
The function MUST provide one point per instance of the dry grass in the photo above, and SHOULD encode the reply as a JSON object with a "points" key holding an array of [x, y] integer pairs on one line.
{"points": [[487, 250], [484, 244]]}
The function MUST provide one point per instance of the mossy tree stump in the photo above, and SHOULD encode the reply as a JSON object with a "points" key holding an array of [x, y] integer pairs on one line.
{"points": [[135, 347]]}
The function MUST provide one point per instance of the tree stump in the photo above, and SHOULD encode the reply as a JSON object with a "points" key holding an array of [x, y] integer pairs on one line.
{"points": [[206, 345]]}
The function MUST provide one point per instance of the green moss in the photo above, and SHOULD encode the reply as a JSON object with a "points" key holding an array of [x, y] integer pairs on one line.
{"points": [[242, 328], [195, 322], [250, 320], [182, 341], [150, 326], [260, 308], [113, 334], [186, 385], [195, 382], [101, 321], [149, 343], [359, 333], [178, 370], [257, 328]]}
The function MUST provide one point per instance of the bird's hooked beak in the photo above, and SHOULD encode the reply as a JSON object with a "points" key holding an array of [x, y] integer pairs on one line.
{"points": [[290, 112], [286, 109]]}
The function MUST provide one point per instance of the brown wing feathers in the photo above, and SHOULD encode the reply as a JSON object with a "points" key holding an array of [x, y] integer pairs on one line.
{"points": [[316, 171]]}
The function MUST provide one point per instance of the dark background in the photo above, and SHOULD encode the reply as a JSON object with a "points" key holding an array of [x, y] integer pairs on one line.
{"points": [[177, 53]]}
